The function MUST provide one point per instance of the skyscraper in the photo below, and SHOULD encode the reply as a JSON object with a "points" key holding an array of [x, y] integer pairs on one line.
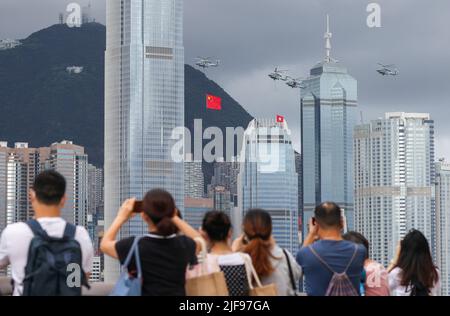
{"points": [[225, 175], [443, 223], [95, 191], [328, 116], [144, 102], [222, 200], [95, 205], [18, 168], [394, 180], [21, 164], [72, 162], [267, 179], [193, 178], [299, 170]]}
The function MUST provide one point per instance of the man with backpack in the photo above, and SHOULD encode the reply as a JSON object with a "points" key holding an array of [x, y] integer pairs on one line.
{"points": [[331, 266], [48, 256]]}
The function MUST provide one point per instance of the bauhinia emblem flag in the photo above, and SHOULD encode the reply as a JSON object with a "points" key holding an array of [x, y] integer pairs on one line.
{"points": [[280, 119], [213, 102]]}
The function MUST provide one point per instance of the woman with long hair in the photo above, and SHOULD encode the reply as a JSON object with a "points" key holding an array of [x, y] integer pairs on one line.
{"points": [[272, 264], [167, 249], [412, 272]]}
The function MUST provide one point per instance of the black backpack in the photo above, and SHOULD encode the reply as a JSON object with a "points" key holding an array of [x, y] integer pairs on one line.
{"points": [[47, 271]]}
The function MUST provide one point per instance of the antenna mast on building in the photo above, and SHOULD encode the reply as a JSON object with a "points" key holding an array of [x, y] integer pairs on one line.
{"points": [[328, 36]]}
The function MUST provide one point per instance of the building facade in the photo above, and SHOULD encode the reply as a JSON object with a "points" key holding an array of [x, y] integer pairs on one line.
{"points": [[222, 200], [72, 162], [194, 183], [394, 181], [195, 209], [267, 179], [225, 175], [443, 224], [144, 103], [299, 170], [328, 116], [21, 164]]}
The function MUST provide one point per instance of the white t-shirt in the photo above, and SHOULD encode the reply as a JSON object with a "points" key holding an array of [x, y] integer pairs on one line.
{"points": [[396, 289], [15, 241]]}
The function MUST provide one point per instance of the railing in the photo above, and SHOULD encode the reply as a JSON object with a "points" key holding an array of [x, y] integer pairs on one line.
{"points": [[97, 288]]}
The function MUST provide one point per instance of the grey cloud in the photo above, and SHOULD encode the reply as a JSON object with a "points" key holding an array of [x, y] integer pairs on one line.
{"points": [[253, 36]]}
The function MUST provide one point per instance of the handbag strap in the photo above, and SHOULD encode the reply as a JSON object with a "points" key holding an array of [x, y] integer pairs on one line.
{"points": [[134, 250], [249, 264], [203, 255], [291, 274]]}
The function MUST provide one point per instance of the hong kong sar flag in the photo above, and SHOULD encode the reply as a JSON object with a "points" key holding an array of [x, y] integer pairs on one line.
{"points": [[280, 119], [213, 102]]}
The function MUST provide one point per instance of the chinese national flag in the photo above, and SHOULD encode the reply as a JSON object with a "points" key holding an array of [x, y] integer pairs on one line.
{"points": [[213, 102], [280, 119]]}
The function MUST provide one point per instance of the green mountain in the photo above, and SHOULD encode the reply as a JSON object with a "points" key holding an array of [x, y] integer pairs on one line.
{"points": [[40, 102]]}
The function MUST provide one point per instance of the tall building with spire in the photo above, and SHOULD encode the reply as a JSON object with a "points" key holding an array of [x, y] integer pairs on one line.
{"points": [[144, 102], [328, 116]]}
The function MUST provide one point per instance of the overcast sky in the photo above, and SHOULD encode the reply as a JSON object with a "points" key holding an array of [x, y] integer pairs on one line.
{"points": [[251, 37]]}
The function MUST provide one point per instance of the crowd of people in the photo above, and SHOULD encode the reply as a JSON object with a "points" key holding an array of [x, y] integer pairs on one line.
{"points": [[329, 263]]}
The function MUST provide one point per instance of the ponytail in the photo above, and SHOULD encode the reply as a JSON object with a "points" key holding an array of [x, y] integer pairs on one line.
{"points": [[166, 227], [258, 229], [260, 252]]}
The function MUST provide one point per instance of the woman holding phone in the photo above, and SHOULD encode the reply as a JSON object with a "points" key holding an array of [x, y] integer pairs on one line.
{"points": [[164, 253]]}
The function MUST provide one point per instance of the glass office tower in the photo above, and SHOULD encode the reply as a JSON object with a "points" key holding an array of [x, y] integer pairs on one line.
{"points": [[267, 179], [144, 102], [328, 116]]}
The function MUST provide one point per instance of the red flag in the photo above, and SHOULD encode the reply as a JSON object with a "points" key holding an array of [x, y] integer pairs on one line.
{"points": [[280, 119], [213, 102]]}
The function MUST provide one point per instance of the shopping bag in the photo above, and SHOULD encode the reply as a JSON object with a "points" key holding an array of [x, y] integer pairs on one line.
{"points": [[200, 282], [259, 289]]}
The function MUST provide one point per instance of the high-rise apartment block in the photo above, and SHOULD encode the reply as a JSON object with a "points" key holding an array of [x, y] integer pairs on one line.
{"points": [[394, 181]]}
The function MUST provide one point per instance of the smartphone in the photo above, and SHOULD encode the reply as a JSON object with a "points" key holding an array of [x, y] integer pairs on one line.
{"points": [[138, 207]]}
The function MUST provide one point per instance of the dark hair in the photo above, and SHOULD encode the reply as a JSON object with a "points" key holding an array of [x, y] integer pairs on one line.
{"points": [[416, 263], [357, 238], [50, 187], [159, 206], [217, 225], [328, 214], [258, 230]]}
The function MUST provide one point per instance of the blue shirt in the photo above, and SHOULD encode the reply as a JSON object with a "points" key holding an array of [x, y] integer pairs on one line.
{"points": [[337, 254]]}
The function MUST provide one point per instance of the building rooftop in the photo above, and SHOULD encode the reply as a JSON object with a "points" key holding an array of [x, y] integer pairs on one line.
{"points": [[405, 115]]}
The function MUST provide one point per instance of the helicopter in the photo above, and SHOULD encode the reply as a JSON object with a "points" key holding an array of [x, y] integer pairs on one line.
{"points": [[277, 74], [295, 83], [205, 62], [388, 70]]}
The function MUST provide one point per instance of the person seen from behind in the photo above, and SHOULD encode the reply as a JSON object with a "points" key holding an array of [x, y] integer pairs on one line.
{"points": [[273, 264], [165, 251], [216, 230], [331, 265], [412, 271], [376, 276], [43, 251]]}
